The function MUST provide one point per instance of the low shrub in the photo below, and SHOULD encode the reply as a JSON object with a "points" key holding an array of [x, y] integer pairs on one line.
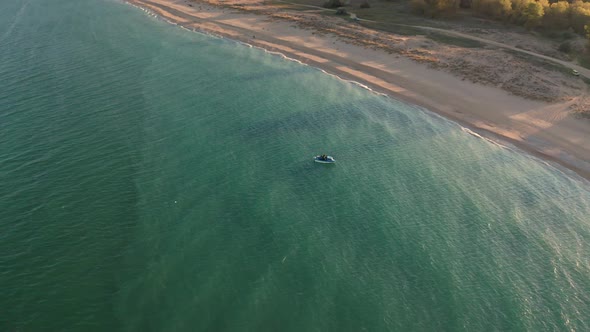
{"points": [[332, 4]]}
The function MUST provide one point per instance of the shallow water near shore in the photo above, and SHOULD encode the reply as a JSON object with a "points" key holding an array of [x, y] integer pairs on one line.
{"points": [[157, 179]]}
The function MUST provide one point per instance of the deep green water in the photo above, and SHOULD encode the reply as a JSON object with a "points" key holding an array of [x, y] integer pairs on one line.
{"points": [[156, 179]]}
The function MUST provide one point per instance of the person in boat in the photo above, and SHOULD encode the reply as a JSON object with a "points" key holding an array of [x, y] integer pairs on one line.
{"points": [[324, 157]]}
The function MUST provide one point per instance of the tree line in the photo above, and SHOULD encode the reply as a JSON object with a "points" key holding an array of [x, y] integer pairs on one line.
{"points": [[560, 15]]}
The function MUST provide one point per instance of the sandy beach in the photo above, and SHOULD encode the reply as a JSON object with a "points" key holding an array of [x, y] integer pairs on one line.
{"points": [[547, 130]]}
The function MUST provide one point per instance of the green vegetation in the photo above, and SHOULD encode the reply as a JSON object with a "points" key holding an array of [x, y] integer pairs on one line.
{"points": [[452, 40], [365, 4], [555, 19], [565, 47], [394, 28], [560, 15], [584, 61], [332, 4], [435, 8], [559, 20], [541, 62]]}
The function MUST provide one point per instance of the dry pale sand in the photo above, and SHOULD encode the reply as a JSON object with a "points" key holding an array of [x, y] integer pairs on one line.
{"points": [[546, 130]]}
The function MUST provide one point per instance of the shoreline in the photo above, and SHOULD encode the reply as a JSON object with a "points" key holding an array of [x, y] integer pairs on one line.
{"points": [[543, 130]]}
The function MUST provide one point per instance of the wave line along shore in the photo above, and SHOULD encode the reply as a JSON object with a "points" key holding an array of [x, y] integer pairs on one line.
{"points": [[545, 130]]}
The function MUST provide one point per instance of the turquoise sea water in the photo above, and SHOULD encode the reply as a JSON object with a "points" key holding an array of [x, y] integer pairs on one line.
{"points": [[156, 179]]}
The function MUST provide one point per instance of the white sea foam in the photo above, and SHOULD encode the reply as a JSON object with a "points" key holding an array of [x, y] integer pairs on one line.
{"points": [[493, 141]]}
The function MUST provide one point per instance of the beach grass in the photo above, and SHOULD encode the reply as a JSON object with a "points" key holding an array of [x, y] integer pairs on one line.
{"points": [[455, 41]]}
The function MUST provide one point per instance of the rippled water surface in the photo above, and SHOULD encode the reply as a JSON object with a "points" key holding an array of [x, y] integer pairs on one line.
{"points": [[156, 179]]}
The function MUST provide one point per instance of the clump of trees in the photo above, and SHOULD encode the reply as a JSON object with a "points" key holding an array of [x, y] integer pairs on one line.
{"points": [[560, 15], [435, 8]]}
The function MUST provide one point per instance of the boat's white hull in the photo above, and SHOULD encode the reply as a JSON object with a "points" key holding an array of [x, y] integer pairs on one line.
{"points": [[321, 161]]}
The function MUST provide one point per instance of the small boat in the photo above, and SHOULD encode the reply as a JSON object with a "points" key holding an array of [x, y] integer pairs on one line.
{"points": [[324, 159]]}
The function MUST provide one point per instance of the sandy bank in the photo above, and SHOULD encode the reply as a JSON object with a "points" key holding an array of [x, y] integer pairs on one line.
{"points": [[543, 129]]}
